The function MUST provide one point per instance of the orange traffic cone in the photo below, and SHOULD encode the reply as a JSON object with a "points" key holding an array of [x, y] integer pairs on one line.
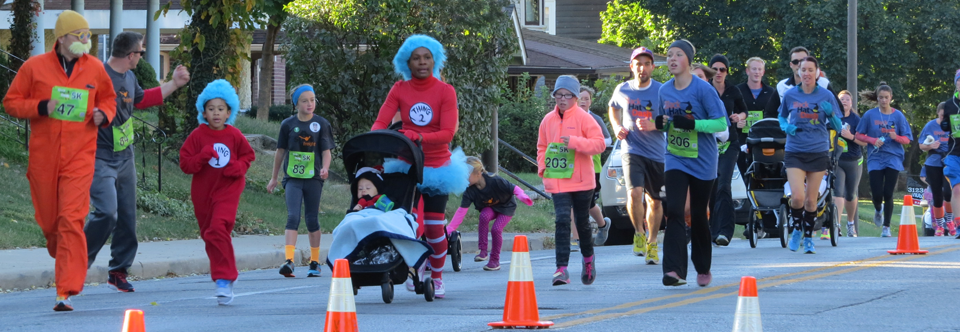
{"points": [[520, 309], [747, 318], [133, 321], [907, 239], [341, 310]]}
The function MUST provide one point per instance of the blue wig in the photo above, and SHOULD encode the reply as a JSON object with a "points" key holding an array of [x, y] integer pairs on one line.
{"points": [[414, 42], [223, 90]]}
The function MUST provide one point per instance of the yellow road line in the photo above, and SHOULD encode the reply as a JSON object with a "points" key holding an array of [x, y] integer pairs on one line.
{"points": [[766, 282]]}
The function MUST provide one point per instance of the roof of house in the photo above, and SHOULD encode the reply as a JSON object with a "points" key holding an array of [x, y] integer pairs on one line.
{"points": [[549, 51]]}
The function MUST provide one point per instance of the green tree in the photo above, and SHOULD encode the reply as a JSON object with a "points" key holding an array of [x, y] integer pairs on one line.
{"points": [[276, 15], [345, 49]]}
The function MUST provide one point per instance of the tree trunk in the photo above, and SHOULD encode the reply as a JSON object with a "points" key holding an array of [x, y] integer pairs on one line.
{"points": [[266, 72], [205, 64]]}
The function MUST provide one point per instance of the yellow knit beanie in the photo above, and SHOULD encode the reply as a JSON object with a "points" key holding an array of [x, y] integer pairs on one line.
{"points": [[68, 22]]}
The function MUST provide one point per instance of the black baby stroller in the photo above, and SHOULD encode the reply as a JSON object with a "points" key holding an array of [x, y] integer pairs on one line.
{"points": [[768, 189], [375, 261]]}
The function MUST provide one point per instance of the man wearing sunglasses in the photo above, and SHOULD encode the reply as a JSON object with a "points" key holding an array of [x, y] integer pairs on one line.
{"points": [[114, 190], [66, 94], [796, 55]]}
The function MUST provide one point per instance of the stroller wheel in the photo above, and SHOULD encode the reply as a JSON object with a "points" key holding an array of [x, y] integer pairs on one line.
{"points": [[782, 220], [428, 290], [356, 290], [752, 230], [386, 289], [455, 248]]}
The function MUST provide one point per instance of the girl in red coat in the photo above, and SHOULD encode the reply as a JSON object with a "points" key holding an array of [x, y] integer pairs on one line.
{"points": [[218, 156], [428, 109]]}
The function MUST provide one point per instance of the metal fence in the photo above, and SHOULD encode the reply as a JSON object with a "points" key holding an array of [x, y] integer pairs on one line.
{"points": [[515, 177]]}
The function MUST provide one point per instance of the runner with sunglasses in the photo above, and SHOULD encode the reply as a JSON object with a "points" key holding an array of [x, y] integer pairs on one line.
{"points": [[722, 214]]}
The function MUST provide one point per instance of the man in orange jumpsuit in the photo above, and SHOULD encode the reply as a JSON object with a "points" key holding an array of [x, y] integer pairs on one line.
{"points": [[66, 94]]}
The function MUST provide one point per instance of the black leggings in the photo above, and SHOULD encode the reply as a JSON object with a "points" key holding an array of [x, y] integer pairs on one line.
{"points": [[882, 183], [675, 237], [938, 187]]}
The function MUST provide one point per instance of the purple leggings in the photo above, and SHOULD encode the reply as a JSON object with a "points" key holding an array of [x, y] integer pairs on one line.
{"points": [[486, 215]]}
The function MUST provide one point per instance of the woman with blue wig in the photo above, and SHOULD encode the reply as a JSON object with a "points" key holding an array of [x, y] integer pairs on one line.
{"points": [[428, 110], [303, 153]]}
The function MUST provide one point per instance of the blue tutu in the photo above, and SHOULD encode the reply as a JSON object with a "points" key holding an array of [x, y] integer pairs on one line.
{"points": [[451, 178]]}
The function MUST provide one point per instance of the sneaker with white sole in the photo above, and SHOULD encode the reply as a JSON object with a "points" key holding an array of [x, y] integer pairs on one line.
{"points": [[794, 243], [63, 304], [224, 291], [492, 265], [314, 270], [808, 246], [885, 232], [824, 234], [286, 269], [118, 280], [438, 290], [639, 244], [878, 218], [672, 279], [851, 230], [722, 240], [653, 256], [602, 233], [589, 272]]}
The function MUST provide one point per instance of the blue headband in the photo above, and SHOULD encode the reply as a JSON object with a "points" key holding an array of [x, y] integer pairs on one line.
{"points": [[296, 93]]}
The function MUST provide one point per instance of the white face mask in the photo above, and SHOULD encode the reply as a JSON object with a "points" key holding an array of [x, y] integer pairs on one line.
{"points": [[79, 48]]}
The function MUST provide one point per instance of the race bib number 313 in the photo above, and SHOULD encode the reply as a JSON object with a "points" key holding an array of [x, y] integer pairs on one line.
{"points": [[71, 103], [559, 161]]}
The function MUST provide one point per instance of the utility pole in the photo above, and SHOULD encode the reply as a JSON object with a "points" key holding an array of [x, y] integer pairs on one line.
{"points": [[852, 49]]}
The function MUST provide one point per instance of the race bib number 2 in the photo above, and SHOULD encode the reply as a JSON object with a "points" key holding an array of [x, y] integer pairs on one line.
{"points": [[559, 162], [71, 103]]}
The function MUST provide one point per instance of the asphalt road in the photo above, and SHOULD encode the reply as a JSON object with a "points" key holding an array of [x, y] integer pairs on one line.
{"points": [[854, 287]]}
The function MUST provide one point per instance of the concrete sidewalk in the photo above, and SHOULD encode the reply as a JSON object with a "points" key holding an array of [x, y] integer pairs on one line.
{"points": [[26, 268]]}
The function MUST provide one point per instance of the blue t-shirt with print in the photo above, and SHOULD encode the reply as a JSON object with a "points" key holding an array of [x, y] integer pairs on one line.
{"points": [[636, 103], [803, 110], [854, 151], [876, 124], [700, 101], [934, 156]]}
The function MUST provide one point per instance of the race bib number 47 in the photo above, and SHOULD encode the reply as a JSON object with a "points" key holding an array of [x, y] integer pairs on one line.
{"points": [[71, 103]]}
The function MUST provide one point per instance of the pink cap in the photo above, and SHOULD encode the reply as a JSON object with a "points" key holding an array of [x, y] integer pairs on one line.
{"points": [[641, 51]]}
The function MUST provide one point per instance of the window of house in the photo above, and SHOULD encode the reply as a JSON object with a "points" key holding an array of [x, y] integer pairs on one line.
{"points": [[533, 12]]}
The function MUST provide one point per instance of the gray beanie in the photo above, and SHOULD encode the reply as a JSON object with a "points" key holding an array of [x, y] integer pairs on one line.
{"points": [[687, 48], [567, 82]]}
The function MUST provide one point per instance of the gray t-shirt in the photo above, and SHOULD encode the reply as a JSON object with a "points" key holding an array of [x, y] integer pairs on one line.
{"points": [[128, 93]]}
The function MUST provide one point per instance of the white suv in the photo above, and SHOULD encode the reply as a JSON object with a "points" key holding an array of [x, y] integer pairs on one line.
{"points": [[613, 196]]}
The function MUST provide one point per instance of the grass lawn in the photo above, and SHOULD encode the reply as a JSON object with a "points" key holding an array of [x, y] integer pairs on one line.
{"points": [[168, 214]]}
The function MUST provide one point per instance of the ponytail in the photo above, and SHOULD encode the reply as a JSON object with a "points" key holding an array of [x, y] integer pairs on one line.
{"points": [[871, 96], [477, 165]]}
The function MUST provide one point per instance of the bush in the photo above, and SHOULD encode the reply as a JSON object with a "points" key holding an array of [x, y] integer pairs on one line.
{"points": [[520, 114], [161, 205], [277, 112]]}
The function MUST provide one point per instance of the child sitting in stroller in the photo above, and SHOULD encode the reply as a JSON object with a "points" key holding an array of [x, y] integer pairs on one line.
{"points": [[368, 184]]}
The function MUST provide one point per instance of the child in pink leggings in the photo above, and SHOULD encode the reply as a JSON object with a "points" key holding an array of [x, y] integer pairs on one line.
{"points": [[493, 197]]}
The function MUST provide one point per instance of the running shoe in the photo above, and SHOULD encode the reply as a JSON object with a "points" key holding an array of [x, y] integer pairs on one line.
{"points": [[314, 270], [653, 256], [639, 244], [672, 279], [851, 231], [224, 291], [482, 257], [287, 269], [885, 232], [794, 243], [938, 231], [722, 240], [63, 304], [589, 272], [492, 266], [808, 246], [602, 233], [824, 234], [574, 245], [703, 280], [878, 218], [438, 290], [561, 277], [118, 280], [952, 228]]}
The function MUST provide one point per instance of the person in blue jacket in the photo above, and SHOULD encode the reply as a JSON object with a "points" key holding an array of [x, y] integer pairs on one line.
{"points": [[888, 131], [933, 140], [805, 113]]}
